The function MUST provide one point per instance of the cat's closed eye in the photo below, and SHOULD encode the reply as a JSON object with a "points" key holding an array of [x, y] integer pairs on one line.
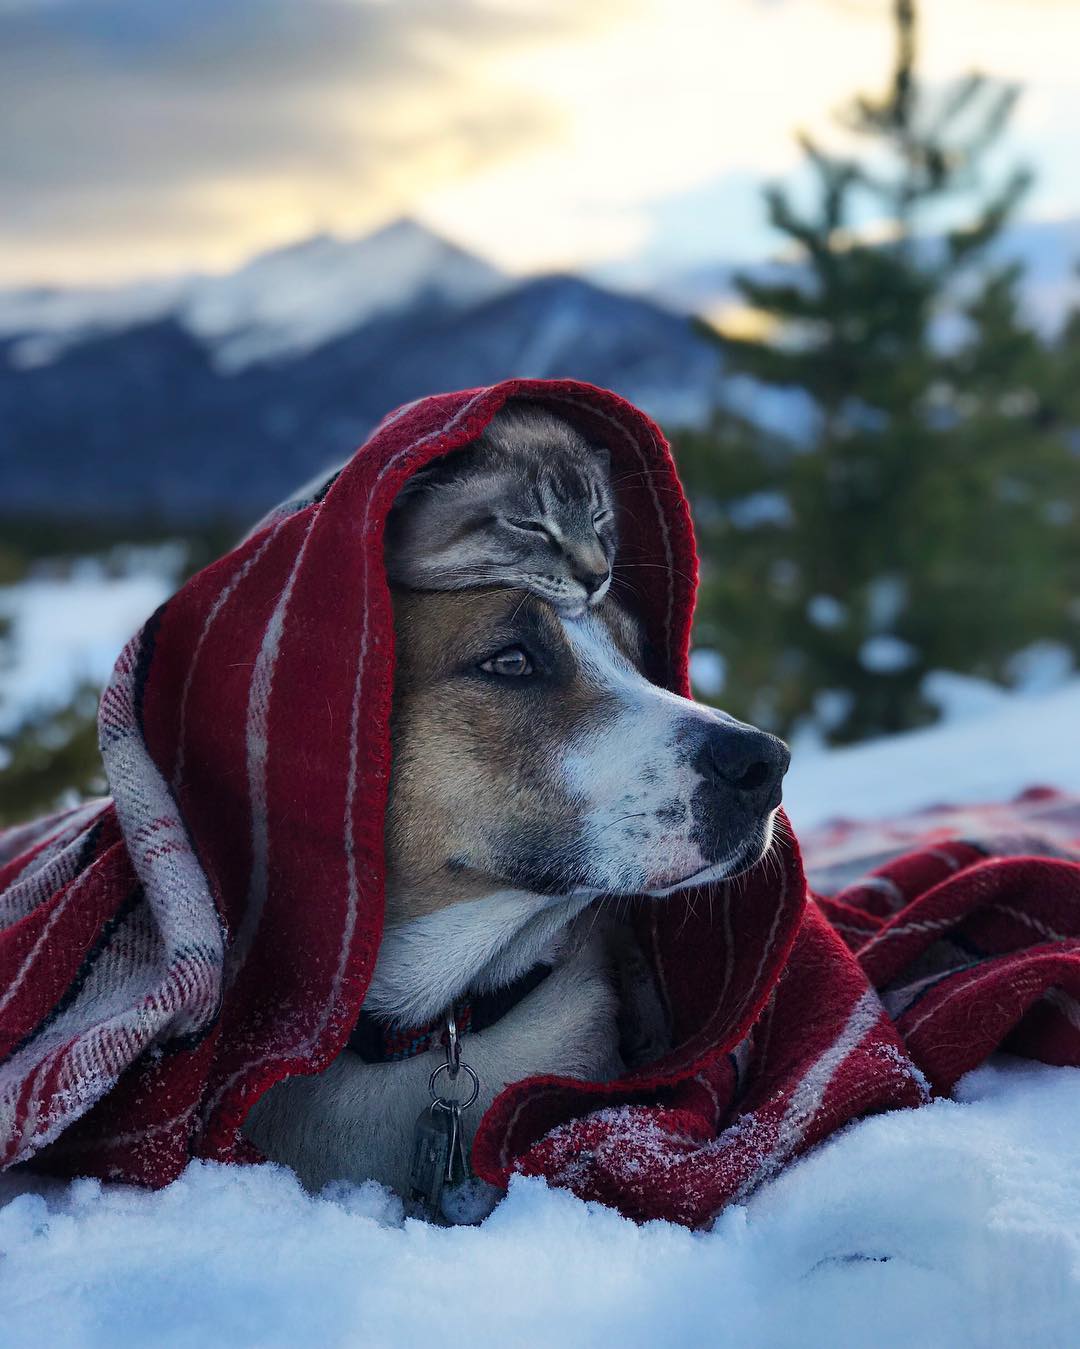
{"points": [[528, 526]]}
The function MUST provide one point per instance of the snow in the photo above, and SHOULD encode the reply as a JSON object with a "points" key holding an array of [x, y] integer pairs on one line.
{"points": [[294, 299], [67, 629], [959, 697], [1040, 667], [886, 600], [954, 1225], [1016, 742], [282, 303], [826, 611], [886, 654], [48, 319], [957, 1224], [708, 672], [760, 508]]}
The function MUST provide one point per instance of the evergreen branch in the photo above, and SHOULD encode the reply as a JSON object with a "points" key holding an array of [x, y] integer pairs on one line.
{"points": [[994, 122], [955, 103], [966, 243]]}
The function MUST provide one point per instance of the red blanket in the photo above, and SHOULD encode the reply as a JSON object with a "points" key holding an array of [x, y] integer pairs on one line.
{"points": [[167, 955]]}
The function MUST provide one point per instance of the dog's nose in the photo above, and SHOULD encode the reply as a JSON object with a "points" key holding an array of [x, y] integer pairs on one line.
{"points": [[750, 762]]}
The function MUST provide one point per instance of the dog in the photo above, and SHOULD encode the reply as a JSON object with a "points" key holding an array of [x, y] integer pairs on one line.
{"points": [[535, 771]]}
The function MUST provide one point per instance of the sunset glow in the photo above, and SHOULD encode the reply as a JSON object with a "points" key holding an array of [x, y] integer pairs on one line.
{"points": [[541, 134]]}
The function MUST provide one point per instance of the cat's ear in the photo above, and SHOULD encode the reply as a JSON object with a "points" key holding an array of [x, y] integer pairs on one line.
{"points": [[603, 457], [444, 469], [419, 483], [432, 475]]}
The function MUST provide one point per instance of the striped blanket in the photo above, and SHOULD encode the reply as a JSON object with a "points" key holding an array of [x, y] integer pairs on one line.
{"points": [[169, 953], [934, 941]]}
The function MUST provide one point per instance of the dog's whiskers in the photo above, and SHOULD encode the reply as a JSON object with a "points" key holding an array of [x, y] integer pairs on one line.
{"points": [[691, 912], [597, 908]]}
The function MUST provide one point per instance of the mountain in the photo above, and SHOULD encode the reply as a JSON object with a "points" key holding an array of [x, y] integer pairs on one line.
{"points": [[283, 302], [218, 397], [296, 298]]}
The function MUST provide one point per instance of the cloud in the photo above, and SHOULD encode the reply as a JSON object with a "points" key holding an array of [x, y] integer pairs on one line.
{"points": [[673, 120], [149, 135], [131, 129]]}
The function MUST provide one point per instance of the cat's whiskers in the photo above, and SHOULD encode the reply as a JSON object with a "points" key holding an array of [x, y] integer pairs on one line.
{"points": [[659, 566]]}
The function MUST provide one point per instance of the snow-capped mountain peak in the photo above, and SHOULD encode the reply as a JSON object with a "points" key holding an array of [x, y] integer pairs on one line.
{"points": [[295, 298], [282, 303]]}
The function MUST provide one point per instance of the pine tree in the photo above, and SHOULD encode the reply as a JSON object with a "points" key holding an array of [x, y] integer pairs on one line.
{"points": [[916, 530], [51, 760]]}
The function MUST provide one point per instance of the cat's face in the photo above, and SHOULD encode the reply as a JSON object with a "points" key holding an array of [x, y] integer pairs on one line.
{"points": [[532, 510], [558, 531]]}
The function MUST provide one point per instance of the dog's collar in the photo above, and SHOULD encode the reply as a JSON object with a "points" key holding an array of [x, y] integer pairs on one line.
{"points": [[376, 1042]]}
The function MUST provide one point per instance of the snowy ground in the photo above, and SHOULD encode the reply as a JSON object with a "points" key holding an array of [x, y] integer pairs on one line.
{"points": [[988, 753], [954, 1225], [68, 626], [950, 1226]]}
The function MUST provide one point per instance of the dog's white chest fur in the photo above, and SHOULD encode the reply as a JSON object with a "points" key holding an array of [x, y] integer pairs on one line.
{"points": [[355, 1121]]}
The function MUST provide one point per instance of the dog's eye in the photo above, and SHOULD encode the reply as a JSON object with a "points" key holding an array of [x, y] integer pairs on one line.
{"points": [[512, 662], [528, 526]]}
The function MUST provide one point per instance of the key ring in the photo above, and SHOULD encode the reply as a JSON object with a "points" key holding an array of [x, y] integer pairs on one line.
{"points": [[440, 1101], [441, 1178], [452, 1067]]}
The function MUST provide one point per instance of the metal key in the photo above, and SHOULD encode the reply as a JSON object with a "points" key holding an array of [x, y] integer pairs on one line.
{"points": [[465, 1199], [432, 1158]]}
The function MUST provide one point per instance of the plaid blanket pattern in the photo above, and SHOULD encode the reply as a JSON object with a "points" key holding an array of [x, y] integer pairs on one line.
{"points": [[169, 953]]}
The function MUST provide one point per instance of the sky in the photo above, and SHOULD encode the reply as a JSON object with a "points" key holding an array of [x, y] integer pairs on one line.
{"points": [[142, 137]]}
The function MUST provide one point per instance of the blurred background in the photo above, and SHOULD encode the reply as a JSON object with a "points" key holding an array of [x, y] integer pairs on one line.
{"points": [[829, 244]]}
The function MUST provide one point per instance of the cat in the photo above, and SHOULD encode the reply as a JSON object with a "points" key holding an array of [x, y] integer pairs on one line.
{"points": [[528, 504]]}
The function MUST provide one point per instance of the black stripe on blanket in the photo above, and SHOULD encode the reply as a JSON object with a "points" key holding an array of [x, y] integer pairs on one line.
{"points": [[141, 674]]}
